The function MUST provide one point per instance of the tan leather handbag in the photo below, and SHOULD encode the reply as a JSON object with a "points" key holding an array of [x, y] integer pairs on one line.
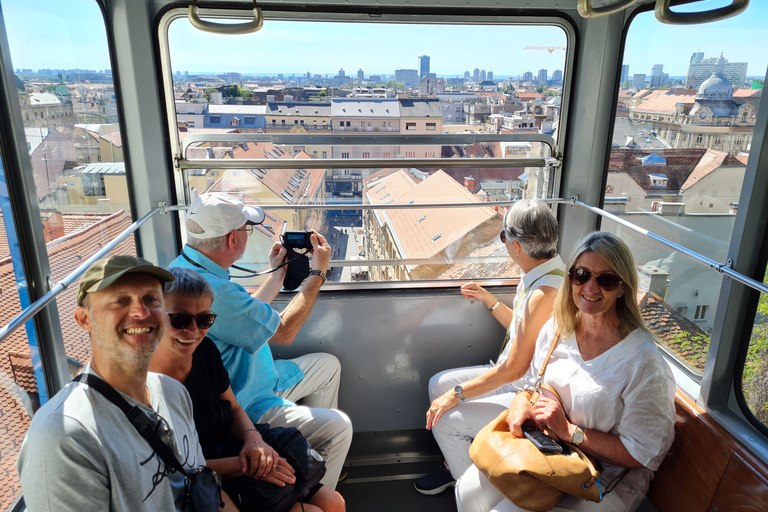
{"points": [[529, 478]]}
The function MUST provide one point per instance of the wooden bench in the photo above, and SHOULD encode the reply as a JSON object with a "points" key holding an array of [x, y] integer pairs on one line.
{"points": [[707, 469]]}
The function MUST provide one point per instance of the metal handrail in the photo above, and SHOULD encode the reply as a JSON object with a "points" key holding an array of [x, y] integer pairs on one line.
{"points": [[34, 308], [723, 268], [351, 139]]}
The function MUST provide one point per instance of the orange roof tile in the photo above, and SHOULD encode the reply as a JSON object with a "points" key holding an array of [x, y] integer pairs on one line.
{"points": [[663, 104], [710, 161], [114, 138], [65, 255], [425, 233], [494, 249]]}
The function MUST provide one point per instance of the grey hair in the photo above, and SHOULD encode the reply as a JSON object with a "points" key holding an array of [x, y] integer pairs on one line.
{"points": [[188, 282], [534, 226], [205, 245]]}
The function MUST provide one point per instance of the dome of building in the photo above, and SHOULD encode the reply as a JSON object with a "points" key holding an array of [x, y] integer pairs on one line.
{"points": [[716, 87], [19, 85]]}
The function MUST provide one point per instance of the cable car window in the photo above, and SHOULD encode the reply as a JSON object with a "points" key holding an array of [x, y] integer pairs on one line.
{"points": [[498, 89], [70, 112], [685, 117]]}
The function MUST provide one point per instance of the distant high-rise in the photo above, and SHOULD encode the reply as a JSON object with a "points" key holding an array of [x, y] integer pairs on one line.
{"points": [[557, 75], [410, 77], [309, 75], [697, 57], [482, 74], [542, 78], [624, 73], [658, 77], [423, 66], [490, 75], [341, 73], [476, 74], [734, 72], [360, 74], [527, 76], [466, 75], [638, 81]]}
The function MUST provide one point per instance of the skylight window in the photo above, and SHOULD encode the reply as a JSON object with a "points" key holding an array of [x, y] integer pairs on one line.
{"points": [[436, 237], [421, 219], [384, 196]]}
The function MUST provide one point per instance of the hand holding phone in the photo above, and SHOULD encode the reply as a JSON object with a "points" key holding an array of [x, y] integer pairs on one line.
{"points": [[540, 440]]}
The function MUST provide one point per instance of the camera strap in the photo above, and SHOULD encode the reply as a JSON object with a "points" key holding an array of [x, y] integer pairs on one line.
{"points": [[252, 273]]}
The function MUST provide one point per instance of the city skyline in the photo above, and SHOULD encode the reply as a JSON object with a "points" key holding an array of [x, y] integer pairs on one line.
{"points": [[287, 47]]}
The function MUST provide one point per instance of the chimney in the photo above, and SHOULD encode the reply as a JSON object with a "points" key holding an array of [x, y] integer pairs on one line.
{"points": [[671, 209], [654, 279], [469, 183], [53, 225]]}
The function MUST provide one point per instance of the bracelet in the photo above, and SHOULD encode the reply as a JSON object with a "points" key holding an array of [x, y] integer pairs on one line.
{"points": [[493, 308], [250, 430]]}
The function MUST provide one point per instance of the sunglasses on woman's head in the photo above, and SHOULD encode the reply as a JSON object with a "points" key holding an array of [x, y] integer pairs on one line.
{"points": [[503, 237], [608, 282], [182, 320]]}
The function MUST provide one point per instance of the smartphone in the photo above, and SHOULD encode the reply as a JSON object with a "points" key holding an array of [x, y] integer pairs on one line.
{"points": [[541, 441], [297, 239]]}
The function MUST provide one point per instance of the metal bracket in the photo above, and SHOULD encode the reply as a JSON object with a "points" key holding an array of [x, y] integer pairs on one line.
{"points": [[727, 264], [553, 162], [164, 206], [574, 198]]}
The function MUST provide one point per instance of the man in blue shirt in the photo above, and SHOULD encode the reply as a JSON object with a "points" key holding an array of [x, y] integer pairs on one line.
{"points": [[218, 226]]}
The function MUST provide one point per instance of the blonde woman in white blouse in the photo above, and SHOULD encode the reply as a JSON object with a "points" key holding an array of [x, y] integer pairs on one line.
{"points": [[616, 389]]}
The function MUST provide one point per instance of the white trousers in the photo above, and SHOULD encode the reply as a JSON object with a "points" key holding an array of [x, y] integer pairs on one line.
{"points": [[459, 426], [328, 430], [474, 493]]}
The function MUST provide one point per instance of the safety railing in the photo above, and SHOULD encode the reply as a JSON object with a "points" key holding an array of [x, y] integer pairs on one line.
{"points": [[61, 286]]}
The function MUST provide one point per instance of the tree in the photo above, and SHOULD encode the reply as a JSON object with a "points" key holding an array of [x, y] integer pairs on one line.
{"points": [[509, 89], [208, 91], [755, 377], [391, 84], [540, 88], [323, 94]]}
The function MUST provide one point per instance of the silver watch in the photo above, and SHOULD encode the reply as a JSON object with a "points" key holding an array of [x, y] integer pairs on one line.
{"points": [[459, 392], [317, 273]]}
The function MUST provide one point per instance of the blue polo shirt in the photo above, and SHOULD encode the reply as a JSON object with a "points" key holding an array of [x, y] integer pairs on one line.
{"points": [[243, 327]]}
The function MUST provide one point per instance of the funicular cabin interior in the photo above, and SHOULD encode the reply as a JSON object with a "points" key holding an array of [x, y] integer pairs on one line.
{"points": [[408, 173]]}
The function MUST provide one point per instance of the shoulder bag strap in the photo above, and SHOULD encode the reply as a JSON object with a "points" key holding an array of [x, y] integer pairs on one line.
{"points": [[136, 416], [553, 272]]}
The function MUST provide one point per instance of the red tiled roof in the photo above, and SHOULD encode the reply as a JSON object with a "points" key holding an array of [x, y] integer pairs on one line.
{"points": [[680, 163], [425, 233], [663, 104], [65, 255], [114, 138], [494, 249], [747, 93], [674, 330], [279, 180], [711, 160]]}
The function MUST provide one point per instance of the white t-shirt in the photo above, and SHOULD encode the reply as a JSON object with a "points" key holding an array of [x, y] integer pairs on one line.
{"points": [[535, 279], [81, 453], [628, 391]]}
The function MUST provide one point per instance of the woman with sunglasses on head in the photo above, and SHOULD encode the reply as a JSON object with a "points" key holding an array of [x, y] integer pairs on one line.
{"points": [[464, 400], [188, 356], [617, 392]]}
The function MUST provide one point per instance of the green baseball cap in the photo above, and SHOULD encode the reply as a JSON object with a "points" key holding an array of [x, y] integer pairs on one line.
{"points": [[106, 271]]}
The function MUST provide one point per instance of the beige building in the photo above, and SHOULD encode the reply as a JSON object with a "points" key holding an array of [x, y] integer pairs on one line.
{"points": [[436, 234]]}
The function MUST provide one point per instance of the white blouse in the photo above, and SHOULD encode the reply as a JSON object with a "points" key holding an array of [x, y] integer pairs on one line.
{"points": [[627, 391]]}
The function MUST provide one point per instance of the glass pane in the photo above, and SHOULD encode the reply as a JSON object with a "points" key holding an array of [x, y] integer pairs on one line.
{"points": [[754, 382], [444, 94], [18, 353], [681, 141], [69, 109]]}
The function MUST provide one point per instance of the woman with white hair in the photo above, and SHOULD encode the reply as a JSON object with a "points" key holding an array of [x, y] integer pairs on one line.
{"points": [[617, 392], [464, 400]]}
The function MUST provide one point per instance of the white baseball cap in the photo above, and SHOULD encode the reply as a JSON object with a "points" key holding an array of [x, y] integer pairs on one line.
{"points": [[218, 214]]}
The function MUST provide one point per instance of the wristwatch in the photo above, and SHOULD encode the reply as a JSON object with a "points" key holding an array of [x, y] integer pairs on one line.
{"points": [[459, 392], [577, 437], [317, 273]]}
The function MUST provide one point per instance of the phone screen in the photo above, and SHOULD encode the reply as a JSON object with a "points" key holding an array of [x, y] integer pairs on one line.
{"points": [[542, 441]]}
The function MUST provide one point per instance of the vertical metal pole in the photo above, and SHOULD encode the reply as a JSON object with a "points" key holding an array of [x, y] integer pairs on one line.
{"points": [[22, 207]]}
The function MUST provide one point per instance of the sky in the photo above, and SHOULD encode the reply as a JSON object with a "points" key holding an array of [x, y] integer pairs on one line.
{"points": [[70, 35]]}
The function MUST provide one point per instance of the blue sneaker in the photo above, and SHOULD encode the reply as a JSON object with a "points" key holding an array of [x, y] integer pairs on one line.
{"points": [[435, 483]]}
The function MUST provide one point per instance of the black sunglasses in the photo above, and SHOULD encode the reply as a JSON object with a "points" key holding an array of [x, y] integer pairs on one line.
{"points": [[182, 320], [607, 282]]}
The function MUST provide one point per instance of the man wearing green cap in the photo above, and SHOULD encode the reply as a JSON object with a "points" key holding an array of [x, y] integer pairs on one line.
{"points": [[81, 452]]}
